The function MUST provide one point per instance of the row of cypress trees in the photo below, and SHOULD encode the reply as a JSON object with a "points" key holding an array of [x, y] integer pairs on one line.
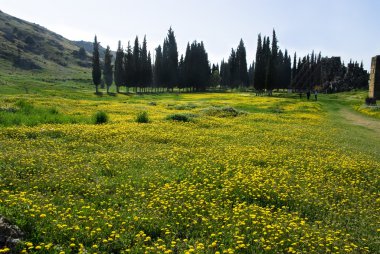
{"points": [[272, 68], [133, 67]]}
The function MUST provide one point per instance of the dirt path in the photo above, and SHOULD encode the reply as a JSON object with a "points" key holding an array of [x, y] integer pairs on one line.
{"points": [[358, 119]]}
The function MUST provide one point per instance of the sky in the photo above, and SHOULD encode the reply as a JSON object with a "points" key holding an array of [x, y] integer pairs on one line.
{"points": [[346, 28]]}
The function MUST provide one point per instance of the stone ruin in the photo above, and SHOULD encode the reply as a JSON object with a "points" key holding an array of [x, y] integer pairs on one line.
{"points": [[374, 83]]}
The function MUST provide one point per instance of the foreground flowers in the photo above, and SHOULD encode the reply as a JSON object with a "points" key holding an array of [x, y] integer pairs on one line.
{"points": [[270, 181]]}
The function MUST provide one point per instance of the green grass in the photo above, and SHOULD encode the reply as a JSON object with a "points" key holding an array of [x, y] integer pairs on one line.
{"points": [[22, 112]]}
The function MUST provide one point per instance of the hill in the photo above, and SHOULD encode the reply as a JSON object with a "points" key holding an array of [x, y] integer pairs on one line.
{"points": [[88, 47], [28, 46]]}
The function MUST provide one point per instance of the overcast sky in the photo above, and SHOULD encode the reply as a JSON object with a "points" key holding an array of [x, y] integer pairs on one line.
{"points": [[346, 28]]}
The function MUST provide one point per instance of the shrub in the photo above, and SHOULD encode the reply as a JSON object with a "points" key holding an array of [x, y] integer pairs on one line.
{"points": [[53, 111], [185, 106], [180, 117], [24, 106], [222, 112], [142, 117], [101, 117]]}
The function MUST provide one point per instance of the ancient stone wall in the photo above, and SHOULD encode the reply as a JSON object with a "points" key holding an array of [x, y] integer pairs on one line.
{"points": [[374, 83]]}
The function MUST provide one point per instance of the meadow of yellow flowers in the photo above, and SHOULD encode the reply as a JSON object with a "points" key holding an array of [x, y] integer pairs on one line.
{"points": [[282, 176]]}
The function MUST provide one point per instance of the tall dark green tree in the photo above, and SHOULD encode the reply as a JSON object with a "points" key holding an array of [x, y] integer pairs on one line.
{"points": [[181, 73], [144, 77], [158, 67], [225, 74], [136, 63], [234, 70], [119, 68], [251, 74], [197, 67], [170, 60], [259, 76], [107, 71], [288, 71], [241, 64], [128, 67], [294, 70], [272, 63], [96, 71], [149, 71]]}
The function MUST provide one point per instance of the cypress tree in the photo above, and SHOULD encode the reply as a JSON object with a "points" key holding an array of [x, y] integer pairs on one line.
{"points": [[107, 71], [187, 75], [266, 62], [288, 70], [158, 67], [128, 67], [294, 70], [96, 71], [272, 63], [119, 67], [149, 71], [260, 68], [234, 71], [136, 63], [224, 74], [251, 74], [196, 66], [181, 73], [172, 59], [241, 62], [144, 64], [165, 63]]}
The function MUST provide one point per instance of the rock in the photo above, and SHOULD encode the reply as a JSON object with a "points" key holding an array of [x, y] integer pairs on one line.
{"points": [[10, 235]]}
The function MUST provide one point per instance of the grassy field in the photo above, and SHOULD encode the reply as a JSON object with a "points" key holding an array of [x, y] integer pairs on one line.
{"points": [[235, 173]]}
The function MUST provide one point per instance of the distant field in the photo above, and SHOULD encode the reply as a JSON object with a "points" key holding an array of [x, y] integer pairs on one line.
{"points": [[235, 173]]}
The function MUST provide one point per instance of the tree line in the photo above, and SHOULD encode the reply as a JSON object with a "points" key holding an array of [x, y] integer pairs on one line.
{"points": [[272, 69]]}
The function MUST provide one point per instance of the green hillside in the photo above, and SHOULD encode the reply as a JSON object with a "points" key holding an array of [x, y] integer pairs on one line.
{"points": [[26, 47]]}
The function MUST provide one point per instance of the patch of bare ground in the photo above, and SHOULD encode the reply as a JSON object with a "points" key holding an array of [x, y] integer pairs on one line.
{"points": [[361, 120]]}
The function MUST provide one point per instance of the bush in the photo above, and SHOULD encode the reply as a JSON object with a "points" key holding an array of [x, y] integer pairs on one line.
{"points": [[370, 101], [24, 106], [142, 117], [53, 111], [222, 112], [180, 117], [101, 117]]}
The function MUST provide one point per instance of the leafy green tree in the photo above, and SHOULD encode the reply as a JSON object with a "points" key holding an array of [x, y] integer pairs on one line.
{"points": [[107, 71], [215, 79], [96, 71], [81, 53], [119, 68]]}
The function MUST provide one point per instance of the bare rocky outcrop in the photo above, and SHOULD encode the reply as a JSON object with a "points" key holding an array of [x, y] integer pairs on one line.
{"points": [[10, 235]]}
